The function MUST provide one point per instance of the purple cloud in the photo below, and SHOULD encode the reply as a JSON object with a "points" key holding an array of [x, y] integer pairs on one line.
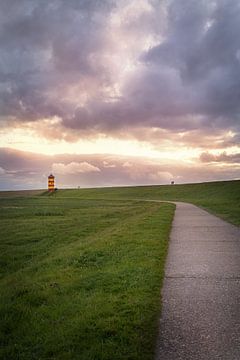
{"points": [[48, 48]]}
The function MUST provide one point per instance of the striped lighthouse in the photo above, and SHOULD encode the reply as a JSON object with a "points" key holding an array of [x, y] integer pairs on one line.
{"points": [[51, 182]]}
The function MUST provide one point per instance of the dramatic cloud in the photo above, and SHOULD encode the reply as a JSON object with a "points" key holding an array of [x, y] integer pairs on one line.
{"points": [[187, 69], [73, 168], [163, 73]]}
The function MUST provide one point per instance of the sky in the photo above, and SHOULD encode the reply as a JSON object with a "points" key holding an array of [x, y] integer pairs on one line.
{"points": [[119, 92]]}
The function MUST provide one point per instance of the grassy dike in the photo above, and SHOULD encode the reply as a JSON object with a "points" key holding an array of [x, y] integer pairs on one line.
{"points": [[221, 198], [80, 278]]}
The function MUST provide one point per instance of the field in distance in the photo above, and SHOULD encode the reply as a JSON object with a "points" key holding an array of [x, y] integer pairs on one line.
{"points": [[222, 198], [80, 279]]}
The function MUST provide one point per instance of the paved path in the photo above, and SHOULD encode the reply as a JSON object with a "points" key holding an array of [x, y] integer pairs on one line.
{"points": [[201, 293]]}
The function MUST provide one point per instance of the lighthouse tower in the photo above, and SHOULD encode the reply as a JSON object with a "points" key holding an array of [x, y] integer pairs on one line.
{"points": [[51, 182]]}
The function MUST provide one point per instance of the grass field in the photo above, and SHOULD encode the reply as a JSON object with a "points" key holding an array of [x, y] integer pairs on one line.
{"points": [[81, 270], [80, 278], [221, 198]]}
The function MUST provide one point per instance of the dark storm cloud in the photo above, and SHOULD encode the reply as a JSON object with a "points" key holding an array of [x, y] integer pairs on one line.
{"points": [[189, 80]]}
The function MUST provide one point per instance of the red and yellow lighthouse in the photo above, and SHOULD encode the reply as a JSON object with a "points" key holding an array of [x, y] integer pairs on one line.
{"points": [[51, 182]]}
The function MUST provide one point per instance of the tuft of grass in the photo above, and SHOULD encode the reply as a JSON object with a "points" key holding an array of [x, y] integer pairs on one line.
{"points": [[81, 278]]}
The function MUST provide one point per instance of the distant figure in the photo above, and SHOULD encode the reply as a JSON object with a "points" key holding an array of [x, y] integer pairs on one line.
{"points": [[172, 182], [51, 183]]}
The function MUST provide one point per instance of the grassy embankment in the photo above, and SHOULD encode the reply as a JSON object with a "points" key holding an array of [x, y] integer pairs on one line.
{"points": [[80, 279], [221, 198]]}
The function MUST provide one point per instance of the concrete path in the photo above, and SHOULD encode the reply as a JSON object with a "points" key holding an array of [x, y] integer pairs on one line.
{"points": [[201, 293]]}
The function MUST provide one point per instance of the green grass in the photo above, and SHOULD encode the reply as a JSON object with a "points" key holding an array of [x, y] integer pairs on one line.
{"points": [[81, 270], [221, 198], [80, 278]]}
